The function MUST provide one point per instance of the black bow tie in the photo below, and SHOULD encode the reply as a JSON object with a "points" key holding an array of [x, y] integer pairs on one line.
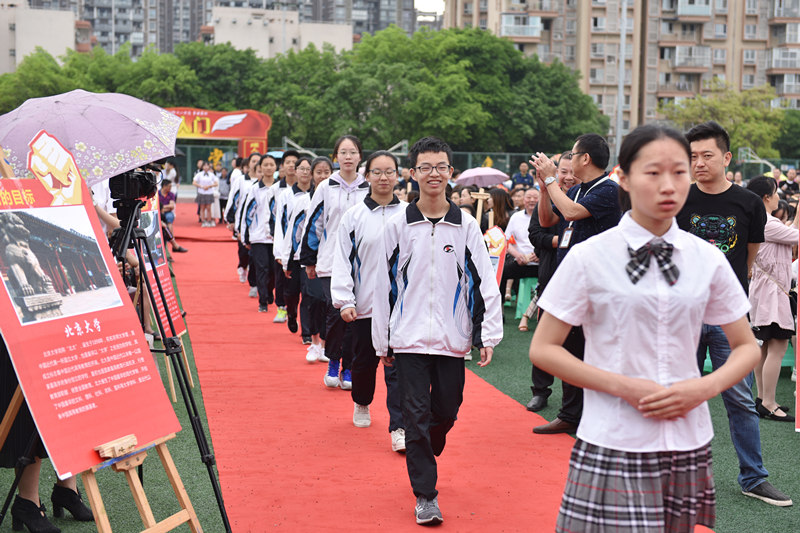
{"points": [[640, 261]]}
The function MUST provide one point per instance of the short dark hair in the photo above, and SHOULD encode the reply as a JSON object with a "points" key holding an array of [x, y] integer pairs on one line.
{"points": [[266, 156], [426, 145], [238, 162], [565, 156], [351, 138], [288, 153], [763, 186], [710, 130], [380, 153], [644, 135], [302, 158], [597, 148]]}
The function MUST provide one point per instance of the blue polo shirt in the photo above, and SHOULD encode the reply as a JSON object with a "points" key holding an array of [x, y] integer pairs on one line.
{"points": [[526, 180], [601, 199]]}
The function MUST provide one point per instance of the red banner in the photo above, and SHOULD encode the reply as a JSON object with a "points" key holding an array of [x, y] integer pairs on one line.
{"points": [[66, 317], [247, 126], [150, 222]]}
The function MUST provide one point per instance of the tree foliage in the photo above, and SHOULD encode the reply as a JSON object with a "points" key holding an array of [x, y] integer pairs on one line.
{"points": [[788, 143], [747, 115], [465, 85]]}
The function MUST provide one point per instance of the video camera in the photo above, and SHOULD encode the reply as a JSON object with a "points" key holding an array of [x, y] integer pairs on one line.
{"points": [[134, 184]]}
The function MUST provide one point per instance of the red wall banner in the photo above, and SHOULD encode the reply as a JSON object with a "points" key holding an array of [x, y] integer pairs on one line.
{"points": [[75, 341], [247, 126]]}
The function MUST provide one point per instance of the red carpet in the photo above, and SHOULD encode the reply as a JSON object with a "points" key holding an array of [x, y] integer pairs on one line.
{"points": [[289, 457]]}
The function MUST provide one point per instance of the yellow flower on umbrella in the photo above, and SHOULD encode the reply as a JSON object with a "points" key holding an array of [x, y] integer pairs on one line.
{"points": [[80, 146], [148, 144], [97, 171], [119, 157]]}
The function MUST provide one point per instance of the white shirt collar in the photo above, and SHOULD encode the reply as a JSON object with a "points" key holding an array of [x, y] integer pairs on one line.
{"points": [[637, 236]]}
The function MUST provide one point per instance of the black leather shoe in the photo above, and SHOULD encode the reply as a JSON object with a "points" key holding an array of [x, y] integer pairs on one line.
{"points": [[25, 513], [64, 498], [291, 323], [554, 427], [537, 403]]}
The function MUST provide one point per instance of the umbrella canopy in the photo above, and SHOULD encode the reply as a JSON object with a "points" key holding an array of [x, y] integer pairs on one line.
{"points": [[482, 177], [107, 133]]}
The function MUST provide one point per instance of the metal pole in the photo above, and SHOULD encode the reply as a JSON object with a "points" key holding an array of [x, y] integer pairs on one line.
{"points": [[621, 75]]}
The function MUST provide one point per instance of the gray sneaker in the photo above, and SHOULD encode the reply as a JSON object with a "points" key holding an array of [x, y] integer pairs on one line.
{"points": [[427, 512], [769, 494]]}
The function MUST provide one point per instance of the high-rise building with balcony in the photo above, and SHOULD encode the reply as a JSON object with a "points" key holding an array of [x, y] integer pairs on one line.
{"points": [[673, 48]]}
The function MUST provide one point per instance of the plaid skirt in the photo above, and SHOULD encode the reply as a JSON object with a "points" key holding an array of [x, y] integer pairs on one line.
{"points": [[611, 490]]}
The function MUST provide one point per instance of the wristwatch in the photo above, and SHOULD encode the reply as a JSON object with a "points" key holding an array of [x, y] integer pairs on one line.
{"points": [[549, 180]]}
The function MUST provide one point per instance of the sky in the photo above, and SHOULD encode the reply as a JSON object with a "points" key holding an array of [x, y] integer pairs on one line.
{"points": [[430, 5]]}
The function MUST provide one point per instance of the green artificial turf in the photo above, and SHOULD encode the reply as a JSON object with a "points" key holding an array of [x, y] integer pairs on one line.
{"points": [[510, 371]]}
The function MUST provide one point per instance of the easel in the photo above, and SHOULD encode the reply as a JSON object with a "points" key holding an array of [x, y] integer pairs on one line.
{"points": [[123, 456], [482, 197]]}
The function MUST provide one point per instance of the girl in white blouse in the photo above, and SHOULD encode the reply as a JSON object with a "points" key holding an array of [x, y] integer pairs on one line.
{"points": [[642, 291]]}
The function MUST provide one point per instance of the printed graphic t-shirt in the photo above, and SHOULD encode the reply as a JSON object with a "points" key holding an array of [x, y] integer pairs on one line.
{"points": [[730, 220]]}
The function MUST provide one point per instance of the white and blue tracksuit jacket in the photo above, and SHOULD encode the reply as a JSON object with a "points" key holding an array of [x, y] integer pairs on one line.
{"points": [[360, 253], [438, 294], [332, 198]]}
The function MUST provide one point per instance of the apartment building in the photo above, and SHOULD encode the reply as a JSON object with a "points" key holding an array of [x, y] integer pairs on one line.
{"points": [[672, 47], [23, 28]]}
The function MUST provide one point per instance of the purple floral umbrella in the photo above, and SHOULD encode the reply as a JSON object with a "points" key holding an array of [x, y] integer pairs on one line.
{"points": [[481, 177], [107, 133]]}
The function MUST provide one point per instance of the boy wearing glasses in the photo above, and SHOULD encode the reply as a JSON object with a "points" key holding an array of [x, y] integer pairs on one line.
{"points": [[442, 299]]}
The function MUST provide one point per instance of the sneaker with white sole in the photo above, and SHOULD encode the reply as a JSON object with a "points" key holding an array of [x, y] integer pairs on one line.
{"points": [[280, 316], [361, 418], [242, 274], [253, 292], [427, 511], [332, 375], [321, 357], [312, 353], [346, 382], [398, 440], [769, 494]]}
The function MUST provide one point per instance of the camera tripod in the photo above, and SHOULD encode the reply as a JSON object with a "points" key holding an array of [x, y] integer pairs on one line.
{"points": [[130, 236]]}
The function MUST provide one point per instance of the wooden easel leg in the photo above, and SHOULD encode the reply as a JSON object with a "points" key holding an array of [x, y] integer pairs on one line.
{"points": [[186, 362], [168, 366], [96, 502], [177, 486], [139, 497], [11, 414]]}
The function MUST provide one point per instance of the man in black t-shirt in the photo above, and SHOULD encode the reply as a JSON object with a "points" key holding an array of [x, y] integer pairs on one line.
{"points": [[733, 219]]}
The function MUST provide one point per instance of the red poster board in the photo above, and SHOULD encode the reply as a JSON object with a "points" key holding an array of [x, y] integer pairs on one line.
{"points": [[75, 341], [150, 222]]}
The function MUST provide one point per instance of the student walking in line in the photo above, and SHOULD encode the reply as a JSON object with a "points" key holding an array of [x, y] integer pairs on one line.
{"points": [[258, 233], [311, 289], [282, 190], [642, 291], [441, 300], [241, 178], [344, 189], [359, 255], [733, 219]]}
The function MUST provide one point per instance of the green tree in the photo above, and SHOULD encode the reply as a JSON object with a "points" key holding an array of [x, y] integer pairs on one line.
{"points": [[162, 80], [748, 115], [788, 143], [37, 75]]}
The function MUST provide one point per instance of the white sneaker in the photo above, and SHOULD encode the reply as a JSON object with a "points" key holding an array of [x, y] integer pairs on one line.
{"points": [[321, 354], [361, 417], [794, 373], [312, 353], [253, 292], [398, 440], [242, 274]]}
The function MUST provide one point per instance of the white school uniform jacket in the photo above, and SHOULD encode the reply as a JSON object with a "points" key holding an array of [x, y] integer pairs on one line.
{"points": [[297, 225], [440, 294], [360, 253], [284, 210], [332, 198], [235, 197], [259, 202], [245, 210]]}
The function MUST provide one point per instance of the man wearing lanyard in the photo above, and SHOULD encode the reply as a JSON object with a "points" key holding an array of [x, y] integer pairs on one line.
{"points": [[587, 209]]}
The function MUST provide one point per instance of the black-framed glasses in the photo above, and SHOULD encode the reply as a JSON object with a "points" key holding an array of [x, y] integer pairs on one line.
{"points": [[573, 154], [440, 169], [389, 172]]}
